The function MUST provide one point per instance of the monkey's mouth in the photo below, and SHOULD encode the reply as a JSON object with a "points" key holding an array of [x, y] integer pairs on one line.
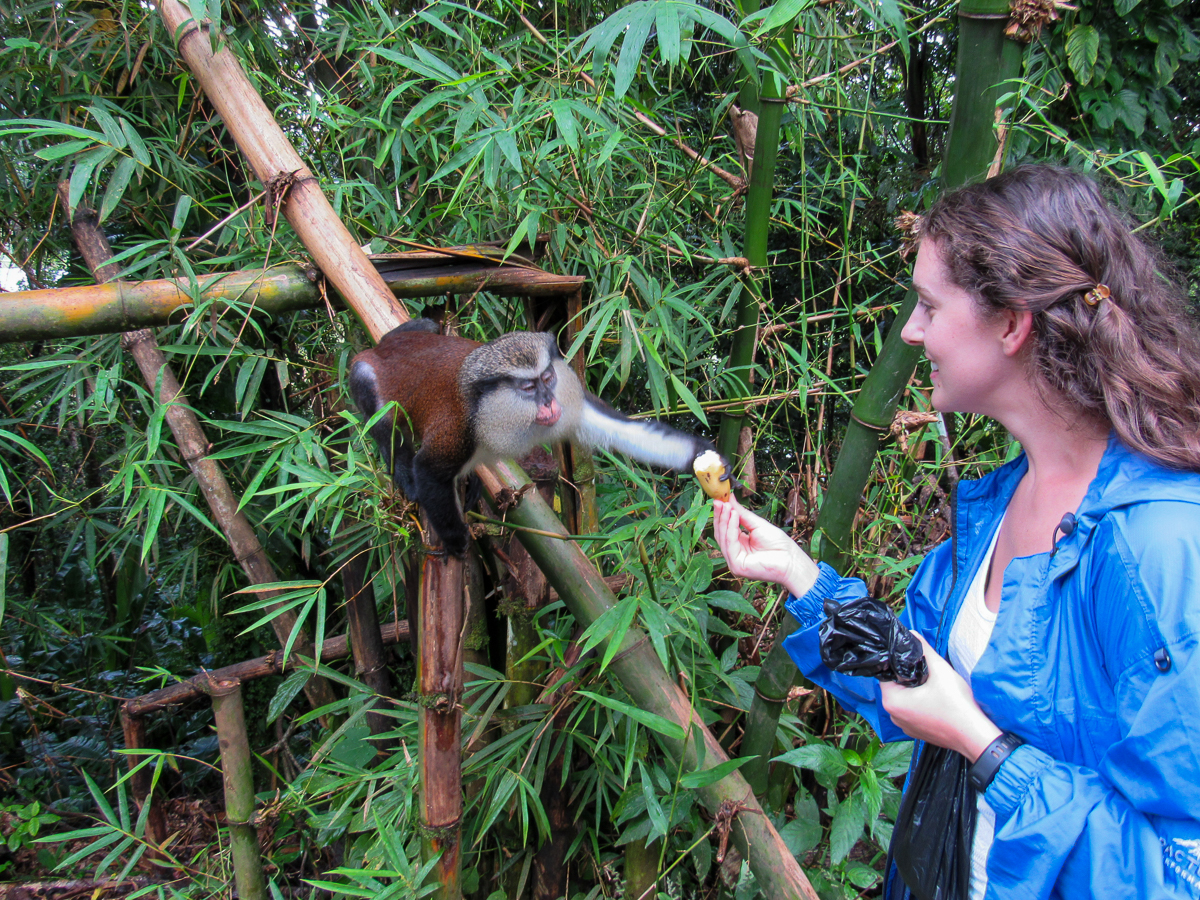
{"points": [[549, 414]]}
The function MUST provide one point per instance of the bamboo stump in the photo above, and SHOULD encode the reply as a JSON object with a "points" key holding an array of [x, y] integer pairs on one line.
{"points": [[239, 789], [440, 687]]}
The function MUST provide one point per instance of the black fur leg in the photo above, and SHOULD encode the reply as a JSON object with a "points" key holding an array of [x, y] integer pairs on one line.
{"points": [[439, 501]]}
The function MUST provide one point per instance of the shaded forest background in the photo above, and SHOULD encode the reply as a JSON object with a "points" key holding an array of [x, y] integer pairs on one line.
{"points": [[457, 123]]}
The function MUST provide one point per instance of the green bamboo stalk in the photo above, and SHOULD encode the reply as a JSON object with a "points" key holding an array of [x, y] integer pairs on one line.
{"points": [[126, 306], [640, 672], [641, 869], [986, 59], [758, 220], [239, 789]]}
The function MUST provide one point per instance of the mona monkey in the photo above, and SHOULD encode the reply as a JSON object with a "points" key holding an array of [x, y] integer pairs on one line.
{"points": [[465, 404]]}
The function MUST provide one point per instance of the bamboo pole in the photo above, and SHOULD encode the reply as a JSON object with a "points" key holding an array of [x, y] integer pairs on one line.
{"points": [[637, 667], [292, 188], [366, 642], [259, 667], [125, 306], [193, 445], [758, 223], [134, 729], [986, 59], [439, 685], [239, 789], [641, 869]]}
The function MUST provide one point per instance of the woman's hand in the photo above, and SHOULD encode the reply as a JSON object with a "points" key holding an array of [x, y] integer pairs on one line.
{"points": [[941, 711], [754, 548]]}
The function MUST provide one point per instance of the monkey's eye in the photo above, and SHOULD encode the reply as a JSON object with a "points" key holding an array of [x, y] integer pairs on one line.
{"points": [[548, 376], [528, 386]]}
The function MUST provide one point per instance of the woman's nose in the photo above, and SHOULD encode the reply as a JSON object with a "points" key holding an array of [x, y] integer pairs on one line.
{"points": [[913, 333]]}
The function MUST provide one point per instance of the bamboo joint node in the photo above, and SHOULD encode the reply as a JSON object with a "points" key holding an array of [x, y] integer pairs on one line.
{"points": [[871, 426]]}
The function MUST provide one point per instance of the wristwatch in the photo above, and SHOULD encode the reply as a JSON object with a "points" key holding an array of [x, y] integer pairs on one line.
{"points": [[988, 764]]}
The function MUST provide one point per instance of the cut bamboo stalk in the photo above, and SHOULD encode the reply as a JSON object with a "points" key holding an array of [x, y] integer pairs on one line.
{"points": [[260, 667], [280, 169], [637, 667], [194, 446], [125, 306], [439, 686], [239, 789], [134, 729]]}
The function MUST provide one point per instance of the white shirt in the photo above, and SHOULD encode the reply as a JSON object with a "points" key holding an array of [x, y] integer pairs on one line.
{"points": [[968, 639]]}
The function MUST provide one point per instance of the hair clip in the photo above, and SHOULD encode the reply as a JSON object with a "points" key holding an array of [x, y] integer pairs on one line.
{"points": [[1096, 294]]}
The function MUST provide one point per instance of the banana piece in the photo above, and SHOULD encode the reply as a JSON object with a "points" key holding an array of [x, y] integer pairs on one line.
{"points": [[709, 468]]}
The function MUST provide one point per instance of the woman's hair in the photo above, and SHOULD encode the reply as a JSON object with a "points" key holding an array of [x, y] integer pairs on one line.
{"points": [[1043, 238]]}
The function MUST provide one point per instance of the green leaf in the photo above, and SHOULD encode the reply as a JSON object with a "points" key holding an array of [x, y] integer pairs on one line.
{"points": [[629, 608], [565, 120], [826, 761], [1083, 48], [85, 167], [632, 46], [893, 759], [705, 777], [732, 601], [654, 722], [112, 131], [116, 186], [58, 151], [286, 693], [804, 832], [666, 19], [846, 828]]}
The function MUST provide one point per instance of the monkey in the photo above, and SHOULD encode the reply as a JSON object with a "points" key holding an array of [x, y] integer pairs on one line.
{"points": [[464, 404]]}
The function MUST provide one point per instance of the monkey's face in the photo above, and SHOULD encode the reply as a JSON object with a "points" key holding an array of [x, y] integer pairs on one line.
{"points": [[540, 391], [520, 394]]}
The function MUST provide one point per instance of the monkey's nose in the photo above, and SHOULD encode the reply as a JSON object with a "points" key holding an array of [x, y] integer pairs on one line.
{"points": [[548, 414]]}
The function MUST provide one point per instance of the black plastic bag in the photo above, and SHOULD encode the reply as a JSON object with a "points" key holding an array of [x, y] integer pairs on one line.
{"points": [[864, 637], [935, 829]]}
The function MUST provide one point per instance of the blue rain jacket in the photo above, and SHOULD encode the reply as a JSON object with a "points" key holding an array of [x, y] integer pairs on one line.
{"points": [[1093, 661]]}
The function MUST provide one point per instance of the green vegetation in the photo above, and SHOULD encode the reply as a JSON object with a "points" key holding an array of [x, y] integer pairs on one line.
{"points": [[453, 123]]}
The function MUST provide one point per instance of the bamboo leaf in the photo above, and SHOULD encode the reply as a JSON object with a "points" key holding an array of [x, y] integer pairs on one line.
{"points": [[117, 184], [85, 168], [628, 608], [666, 18], [112, 131], [638, 30], [665, 727], [67, 148], [704, 777], [565, 120]]}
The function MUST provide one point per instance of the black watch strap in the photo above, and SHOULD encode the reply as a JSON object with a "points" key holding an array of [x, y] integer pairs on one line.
{"points": [[989, 761]]}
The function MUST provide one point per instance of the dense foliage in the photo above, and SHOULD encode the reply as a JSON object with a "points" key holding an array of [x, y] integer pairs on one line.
{"points": [[449, 123]]}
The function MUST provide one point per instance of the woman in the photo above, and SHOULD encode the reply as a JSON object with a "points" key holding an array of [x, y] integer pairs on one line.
{"points": [[1062, 616]]}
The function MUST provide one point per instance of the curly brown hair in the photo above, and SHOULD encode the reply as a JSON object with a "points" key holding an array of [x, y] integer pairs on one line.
{"points": [[1042, 238]]}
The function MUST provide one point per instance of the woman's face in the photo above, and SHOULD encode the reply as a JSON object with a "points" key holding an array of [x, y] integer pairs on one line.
{"points": [[966, 350]]}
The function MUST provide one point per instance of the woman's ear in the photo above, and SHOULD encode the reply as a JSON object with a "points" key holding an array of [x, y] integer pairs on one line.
{"points": [[1018, 326]]}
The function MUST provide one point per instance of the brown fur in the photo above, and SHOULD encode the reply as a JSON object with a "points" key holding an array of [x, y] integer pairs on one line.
{"points": [[428, 391]]}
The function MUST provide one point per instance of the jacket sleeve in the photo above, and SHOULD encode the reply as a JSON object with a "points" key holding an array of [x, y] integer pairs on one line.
{"points": [[1130, 825], [857, 693]]}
